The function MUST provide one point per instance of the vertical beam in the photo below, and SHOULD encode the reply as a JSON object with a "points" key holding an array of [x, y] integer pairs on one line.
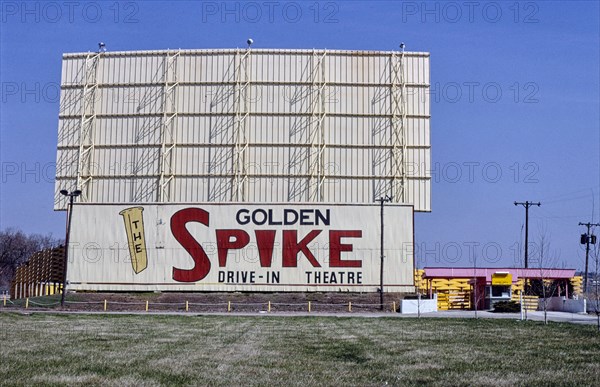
{"points": [[242, 98], [87, 125], [382, 200], [398, 128], [317, 138], [168, 128], [323, 145]]}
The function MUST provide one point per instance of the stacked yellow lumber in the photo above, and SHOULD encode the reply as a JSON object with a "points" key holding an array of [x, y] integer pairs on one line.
{"points": [[460, 284], [453, 293], [530, 302], [443, 303], [448, 300], [576, 283], [439, 284], [517, 288], [420, 282], [459, 300]]}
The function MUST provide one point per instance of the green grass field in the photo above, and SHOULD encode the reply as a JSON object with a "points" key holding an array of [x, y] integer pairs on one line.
{"points": [[53, 349]]}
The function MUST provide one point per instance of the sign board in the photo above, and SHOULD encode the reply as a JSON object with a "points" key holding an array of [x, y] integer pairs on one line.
{"points": [[239, 247], [502, 279]]}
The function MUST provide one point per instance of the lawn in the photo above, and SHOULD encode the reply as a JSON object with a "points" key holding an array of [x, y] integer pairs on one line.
{"points": [[54, 349]]}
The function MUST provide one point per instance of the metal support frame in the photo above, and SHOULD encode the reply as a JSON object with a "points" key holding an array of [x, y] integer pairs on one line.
{"points": [[317, 129], [149, 161], [242, 100], [87, 124], [168, 127], [398, 128]]}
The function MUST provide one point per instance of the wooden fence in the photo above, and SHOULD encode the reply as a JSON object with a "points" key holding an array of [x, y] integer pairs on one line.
{"points": [[42, 275]]}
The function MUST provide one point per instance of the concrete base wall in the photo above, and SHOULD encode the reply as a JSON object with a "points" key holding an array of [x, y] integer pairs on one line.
{"points": [[562, 304], [591, 306], [424, 305]]}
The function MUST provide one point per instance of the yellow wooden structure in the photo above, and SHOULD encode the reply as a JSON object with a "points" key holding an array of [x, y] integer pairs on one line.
{"points": [[41, 275], [453, 293], [457, 293]]}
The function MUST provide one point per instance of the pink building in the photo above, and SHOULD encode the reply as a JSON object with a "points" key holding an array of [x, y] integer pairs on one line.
{"points": [[501, 284]]}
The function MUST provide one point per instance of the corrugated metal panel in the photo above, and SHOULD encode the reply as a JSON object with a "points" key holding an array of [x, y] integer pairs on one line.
{"points": [[273, 125]]}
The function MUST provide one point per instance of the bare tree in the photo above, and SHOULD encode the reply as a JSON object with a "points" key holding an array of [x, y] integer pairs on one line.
{"points": [[418, 293], [546, 258], [16, 248]]}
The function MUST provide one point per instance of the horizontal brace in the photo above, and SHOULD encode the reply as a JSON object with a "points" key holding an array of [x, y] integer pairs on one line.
{"points": [[235, 114], [234, 83], [249, 176], [255, 51], [252, 145]]}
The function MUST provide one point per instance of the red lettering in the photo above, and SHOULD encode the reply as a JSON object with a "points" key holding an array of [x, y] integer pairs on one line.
{"points": [[336, 247], [265, 240], [236, 239], [291, 248], [224, 243], [187, 241]]}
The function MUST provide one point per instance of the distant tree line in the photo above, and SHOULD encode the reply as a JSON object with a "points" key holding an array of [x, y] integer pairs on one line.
{"points": [[16, 248]]}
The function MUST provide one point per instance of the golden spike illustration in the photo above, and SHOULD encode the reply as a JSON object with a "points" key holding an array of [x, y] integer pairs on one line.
{"points": [[134, 226]]}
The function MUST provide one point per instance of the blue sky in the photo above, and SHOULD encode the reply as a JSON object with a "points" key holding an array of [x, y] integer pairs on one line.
{"points": [[515, 101]]}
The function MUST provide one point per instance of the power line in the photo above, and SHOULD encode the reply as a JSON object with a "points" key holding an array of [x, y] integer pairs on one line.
{"points": [[569, 199], [548, 215], [566, 195]]}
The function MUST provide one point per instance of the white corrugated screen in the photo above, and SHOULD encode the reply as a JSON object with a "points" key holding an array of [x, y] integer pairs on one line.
{"points": [[237, 125]]}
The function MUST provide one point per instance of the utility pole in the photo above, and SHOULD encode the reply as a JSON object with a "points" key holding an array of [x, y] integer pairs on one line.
{"points": [[586, 239], [382, 200], [71, 196], [527, 204]]}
